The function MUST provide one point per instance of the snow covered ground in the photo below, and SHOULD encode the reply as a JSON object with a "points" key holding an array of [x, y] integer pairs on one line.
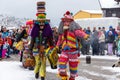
{"points": [[106, 57], [13, 70]]}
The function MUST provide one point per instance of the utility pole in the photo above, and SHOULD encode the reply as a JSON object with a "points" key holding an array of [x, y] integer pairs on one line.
{"points": [[100, 4]]}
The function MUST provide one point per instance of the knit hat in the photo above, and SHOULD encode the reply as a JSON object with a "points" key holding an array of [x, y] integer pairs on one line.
{"points": [[110, 27], [29, 22], [67, 16], [41, 14]]}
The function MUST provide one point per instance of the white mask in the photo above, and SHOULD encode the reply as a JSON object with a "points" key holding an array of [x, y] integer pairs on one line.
{"points": [[65, 27]]}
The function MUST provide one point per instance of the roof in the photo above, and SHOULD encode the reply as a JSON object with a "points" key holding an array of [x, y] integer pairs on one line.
{"points": [[93, 11], [109, 4], [103, 18]]}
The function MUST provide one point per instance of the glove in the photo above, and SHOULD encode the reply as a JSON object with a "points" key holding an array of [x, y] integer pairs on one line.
{"points": [[86, 37], [57, 48]]}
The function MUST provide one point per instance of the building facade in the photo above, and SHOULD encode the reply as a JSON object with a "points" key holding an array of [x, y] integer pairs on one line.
{"points": [[111, 12], [88, 14], [110, 8]]}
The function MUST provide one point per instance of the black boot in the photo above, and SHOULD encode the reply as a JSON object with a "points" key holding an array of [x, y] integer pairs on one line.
{"points": [[37, 75], [21, 57], [53, 67], [8, 56], [31, 68], [42, 78]]}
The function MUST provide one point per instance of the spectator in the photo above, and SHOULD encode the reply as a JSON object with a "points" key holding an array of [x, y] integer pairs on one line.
{"points": [[110, 40]]}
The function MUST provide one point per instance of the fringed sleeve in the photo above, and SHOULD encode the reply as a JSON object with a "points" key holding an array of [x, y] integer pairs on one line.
{"points": [[31, 43], [59, 41], [81, 34]]}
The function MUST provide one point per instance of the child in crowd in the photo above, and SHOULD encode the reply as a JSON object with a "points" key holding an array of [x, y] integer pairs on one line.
{"points": [[1, 45], [5, 48]]}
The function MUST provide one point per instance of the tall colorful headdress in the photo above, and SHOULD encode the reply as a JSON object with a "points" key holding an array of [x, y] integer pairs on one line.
{"points": [[41, 20], [41, 14]]}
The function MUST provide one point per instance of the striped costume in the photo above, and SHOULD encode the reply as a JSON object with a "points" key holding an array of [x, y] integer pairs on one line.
{"points": [[69, 52]]}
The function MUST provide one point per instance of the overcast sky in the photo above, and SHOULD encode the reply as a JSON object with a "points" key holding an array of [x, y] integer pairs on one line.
{"points": [[54, 8]]}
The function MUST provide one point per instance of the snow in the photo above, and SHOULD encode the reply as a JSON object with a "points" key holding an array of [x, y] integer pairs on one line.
{"points": [[93, 11], [109, 4], [96, 22], [108, 77], [48, 69], [13, 70], [11, 21], [116, 69], [102, 57]]}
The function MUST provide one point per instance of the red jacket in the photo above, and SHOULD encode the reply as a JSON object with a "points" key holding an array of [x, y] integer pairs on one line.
{"points": [[1, 41], [9, 41]]}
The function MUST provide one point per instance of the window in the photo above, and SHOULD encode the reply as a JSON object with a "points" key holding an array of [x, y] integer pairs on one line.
{"points": [[104, 13], [113, 14]]}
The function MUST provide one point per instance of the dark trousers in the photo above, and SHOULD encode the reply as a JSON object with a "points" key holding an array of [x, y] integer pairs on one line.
{"points": [[1, 51], [101, 48], [21, 56], [95, 49]]}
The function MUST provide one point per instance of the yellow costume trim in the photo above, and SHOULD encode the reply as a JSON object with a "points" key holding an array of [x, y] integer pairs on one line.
{"points": [[62, 63], [73, 68], [71, 38]]}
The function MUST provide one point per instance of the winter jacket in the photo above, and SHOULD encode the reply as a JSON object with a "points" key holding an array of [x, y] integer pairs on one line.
{"points": [[4, 34], [102, 38], [110, 39]]}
